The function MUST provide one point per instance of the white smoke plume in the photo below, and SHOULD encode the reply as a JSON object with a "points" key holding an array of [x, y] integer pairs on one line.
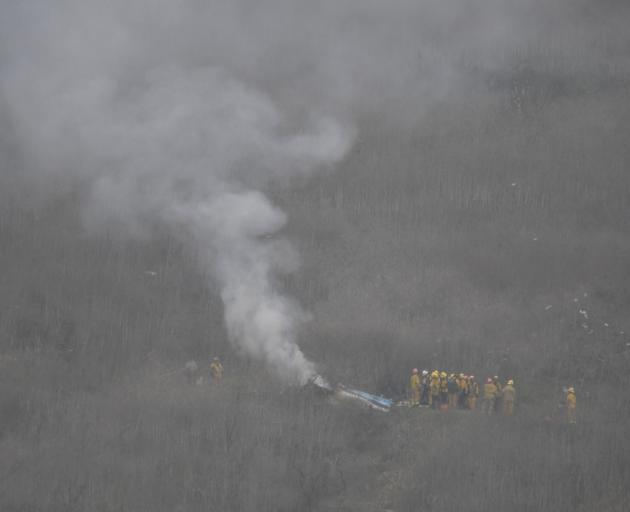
{"points": [[187, 147], [182, 113], [185, 151]]}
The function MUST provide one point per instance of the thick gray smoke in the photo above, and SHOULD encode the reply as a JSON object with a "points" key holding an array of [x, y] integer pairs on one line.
{"points": [[185, 146], [181, 113], [186, 150]]}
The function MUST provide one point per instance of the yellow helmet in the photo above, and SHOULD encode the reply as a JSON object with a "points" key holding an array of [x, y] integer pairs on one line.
{"points": [[510, 382], [435, 374], [443, 375], [571, 390]]}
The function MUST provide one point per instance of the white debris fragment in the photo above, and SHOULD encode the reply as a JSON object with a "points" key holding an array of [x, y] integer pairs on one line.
{"points": [[585, 294], [150, 272], [584, 313], [535, 239], [606, 325], [548, 307], [321, 382], [514, 184], [191, 366], [575, 299]]}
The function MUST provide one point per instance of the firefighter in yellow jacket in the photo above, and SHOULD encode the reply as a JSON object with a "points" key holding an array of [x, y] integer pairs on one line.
{"points": [[489, 396], [435, 389], [462, 395], [216, 370], [414, 385], [571, 406], [509, 397], [444, 389]]}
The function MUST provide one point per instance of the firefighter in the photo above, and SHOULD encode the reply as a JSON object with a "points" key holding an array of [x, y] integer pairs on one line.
{"points": [[508, 397], [425, 390], [462, 385], [473, 392], [453, 390], [216, 370], [435, 389], [571, 406], [444, 389], [489, 396], [498, 400], [414, 385]]}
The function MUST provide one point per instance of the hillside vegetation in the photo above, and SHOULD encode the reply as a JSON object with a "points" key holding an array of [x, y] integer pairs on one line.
{"points": [[468, 239]]}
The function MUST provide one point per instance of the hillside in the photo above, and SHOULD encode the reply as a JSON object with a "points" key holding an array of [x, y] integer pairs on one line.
{"points": [[473, 218], [436, 268]]}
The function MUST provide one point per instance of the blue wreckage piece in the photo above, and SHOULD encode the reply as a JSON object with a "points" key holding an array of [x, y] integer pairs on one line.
{"points": [[379, 403]]}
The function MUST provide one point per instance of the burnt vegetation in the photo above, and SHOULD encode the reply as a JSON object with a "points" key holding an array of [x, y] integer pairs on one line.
{"points": [[468, 240]]}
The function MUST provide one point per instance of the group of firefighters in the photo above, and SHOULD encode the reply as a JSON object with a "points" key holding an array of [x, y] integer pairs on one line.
{"points": [[440, 390]]}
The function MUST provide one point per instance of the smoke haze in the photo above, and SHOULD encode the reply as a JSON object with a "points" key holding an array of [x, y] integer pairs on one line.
{"points": [[337, 190], [183, 113]]}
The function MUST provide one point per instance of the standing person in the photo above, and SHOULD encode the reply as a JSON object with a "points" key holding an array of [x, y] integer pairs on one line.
{"points": [[489, 396], [498, 400], [216, 370], [453, 390], [414, 385], [509, 397], [435, 389], [473, 392], [462, 385], [571, 406], [444, 389], [425, 390]]}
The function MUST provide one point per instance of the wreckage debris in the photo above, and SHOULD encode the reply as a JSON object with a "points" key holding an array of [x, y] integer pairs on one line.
{"points": [[379, 403], [345, 393]]}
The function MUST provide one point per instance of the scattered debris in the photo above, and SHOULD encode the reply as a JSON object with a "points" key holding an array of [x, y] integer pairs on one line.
{"points": [[548, 307], [150, 272]]}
